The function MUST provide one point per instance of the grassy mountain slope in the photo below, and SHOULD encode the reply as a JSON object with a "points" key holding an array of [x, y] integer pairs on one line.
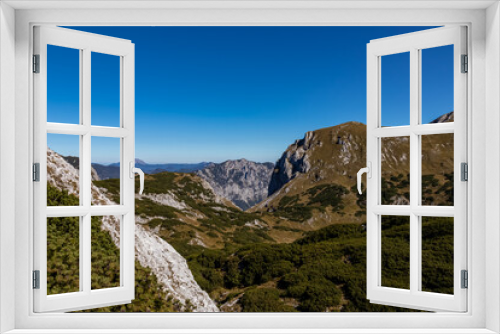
{"points": [[201, 226], [332, 156], [182, 209], [245, 268]]}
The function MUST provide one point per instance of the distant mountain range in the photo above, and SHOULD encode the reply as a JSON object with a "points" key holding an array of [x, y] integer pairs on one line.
{"points": [[112, 171], [173, 167]]}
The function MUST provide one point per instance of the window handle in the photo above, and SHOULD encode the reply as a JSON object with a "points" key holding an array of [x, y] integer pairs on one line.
{"points": [[133, 171], [368, 171]]}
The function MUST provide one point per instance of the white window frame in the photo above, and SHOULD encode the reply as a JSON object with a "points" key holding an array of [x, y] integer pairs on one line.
{"points": [[414, 43], [86, 44], [483, 100]]}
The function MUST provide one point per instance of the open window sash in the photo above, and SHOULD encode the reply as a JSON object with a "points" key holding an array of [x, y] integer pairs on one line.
{"points": [[415, 297], [84, 297]]}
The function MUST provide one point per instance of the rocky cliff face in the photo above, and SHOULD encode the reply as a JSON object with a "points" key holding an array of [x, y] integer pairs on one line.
{"points": [[293, 161], [243, 182], [338, 152], [329, 153], [153, 252]]}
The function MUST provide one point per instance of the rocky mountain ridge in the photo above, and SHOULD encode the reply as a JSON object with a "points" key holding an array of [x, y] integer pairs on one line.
{"points": [[335, 154], [243, 182]]}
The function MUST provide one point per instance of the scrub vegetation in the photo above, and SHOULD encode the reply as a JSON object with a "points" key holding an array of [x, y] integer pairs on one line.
{"points": [[320, 270], [63, 262]]}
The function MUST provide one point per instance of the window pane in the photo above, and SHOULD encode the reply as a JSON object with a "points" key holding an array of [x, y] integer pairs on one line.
{"points": [[105, 170], [437, 169], [395, 90], [396, 252], [63, 255], [105, 90], [105, 252], [63, 169], [437, 254], [437, 85], [63, 85], [395, 167]]}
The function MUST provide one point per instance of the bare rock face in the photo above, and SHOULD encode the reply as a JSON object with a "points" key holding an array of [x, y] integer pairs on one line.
{"points": [[167, 199], [295, 160], [61, 174], [170, 268], [243, 182]]}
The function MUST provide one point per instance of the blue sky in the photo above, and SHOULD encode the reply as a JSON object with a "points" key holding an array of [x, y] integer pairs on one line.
{"points": [[218, 93]]}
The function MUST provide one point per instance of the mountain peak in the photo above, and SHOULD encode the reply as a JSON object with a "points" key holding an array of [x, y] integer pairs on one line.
{"points": [[449, 117], [327, 153], [331, 155]]}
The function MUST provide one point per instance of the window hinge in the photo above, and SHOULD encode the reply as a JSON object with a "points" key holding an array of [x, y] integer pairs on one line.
{"points": [[465, 64], [464, 173], [36, 172], [36, 279], [465, 279], [36, 63]]}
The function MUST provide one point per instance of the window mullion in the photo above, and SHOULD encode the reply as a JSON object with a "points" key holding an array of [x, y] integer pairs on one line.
{"points": [[85, 162], [373, 156], [415, 254], [127, 123], [86, 252], [86, 182]]}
